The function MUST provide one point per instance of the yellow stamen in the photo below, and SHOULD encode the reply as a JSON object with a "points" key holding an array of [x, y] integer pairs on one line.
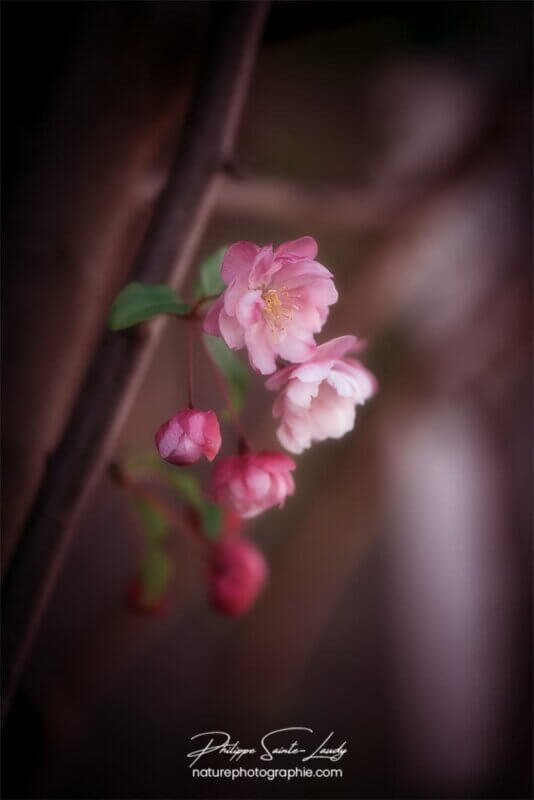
{"points": [[272, 302], [275, 310]]}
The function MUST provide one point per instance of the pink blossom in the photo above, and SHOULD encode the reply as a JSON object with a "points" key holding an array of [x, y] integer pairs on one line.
{"points": [[237, 573], [275, 301], [318, 398], [250, 483], [188, 436]]}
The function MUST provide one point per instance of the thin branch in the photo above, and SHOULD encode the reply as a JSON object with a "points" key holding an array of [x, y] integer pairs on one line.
{"points": [[329, 207], [120, 363], [138, 489]]}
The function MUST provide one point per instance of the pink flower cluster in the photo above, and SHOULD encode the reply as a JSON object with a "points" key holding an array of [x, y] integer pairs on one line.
{"points": [[275, 302]]}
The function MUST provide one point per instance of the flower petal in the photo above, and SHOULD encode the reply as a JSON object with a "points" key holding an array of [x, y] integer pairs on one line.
{"points": [[294, 349], [260, 348], [210, 323], [231, 331], [262, 267], [365, 380], [336, 348], [277, 380], [305, 247], [248, 310], [238, 258]]}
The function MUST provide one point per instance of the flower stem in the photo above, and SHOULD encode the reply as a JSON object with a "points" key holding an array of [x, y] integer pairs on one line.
{"points": [[190, 365], [195, 313], [139, 490], [223, 386]]}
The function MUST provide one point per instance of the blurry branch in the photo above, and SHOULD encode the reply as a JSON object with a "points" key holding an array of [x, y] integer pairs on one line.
{"points": [[328, 206], [356, 208], [204, 151]]}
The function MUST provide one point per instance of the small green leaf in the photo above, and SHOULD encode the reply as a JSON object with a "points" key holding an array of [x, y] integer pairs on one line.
{"points": [[232, 369], [209, 279], [155, 523], [155, 572], [211, 519], [189, 488], [138, 302], [185, 484]]}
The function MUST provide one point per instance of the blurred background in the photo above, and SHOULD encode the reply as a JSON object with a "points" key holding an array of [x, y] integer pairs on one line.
{"points": [[398, 613]]}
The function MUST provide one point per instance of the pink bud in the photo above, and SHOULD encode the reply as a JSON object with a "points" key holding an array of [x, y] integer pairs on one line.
{"points": [[237, 573], [253, 482], [188, 436]]}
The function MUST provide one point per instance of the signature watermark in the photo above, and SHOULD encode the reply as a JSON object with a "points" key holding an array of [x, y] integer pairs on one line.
{"points": [[303, 745]]}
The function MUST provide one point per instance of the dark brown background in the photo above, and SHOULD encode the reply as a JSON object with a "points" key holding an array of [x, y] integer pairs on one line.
{"points": [[399, 608]]}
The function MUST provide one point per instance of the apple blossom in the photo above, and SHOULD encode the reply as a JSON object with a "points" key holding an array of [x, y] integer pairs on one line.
{"points": [[318, 398], [189, 435], [253, 482], [237, 573], [275, 301]]}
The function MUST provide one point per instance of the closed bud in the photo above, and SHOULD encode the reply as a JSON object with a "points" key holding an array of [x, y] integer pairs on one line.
{"points": [[188, 436], [237, 573]]}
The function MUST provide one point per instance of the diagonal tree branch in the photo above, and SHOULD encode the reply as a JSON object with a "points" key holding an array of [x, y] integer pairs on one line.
{"points": [[205, 148]]}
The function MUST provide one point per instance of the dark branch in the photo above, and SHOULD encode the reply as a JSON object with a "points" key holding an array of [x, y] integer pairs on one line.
{"points": [[117, 369]]}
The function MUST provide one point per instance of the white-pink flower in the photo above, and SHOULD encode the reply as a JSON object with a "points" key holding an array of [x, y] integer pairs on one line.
{"points": [[318, 398], [253, 482], [188, 436], [275, 301]]}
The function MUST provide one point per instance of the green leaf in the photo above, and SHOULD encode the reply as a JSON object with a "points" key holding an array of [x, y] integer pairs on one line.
{"points": [[211, 519], [138, 302], [209, 279], [187, 485], [189, 488], [232, 369], [155, 572], [155, 523]]}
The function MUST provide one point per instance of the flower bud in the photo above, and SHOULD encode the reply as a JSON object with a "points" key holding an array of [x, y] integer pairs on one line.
{"points": [[189, 435], [253, 482], [237, 572]]}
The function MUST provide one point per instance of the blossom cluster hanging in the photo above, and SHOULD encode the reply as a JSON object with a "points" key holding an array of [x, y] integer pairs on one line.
{"points": [[273, 303]]}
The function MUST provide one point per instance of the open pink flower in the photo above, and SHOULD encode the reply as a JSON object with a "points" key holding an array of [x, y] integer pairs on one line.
{"points": [[237, 573], [275, 301], [250, 483], [188, 436], [318, 398]]}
